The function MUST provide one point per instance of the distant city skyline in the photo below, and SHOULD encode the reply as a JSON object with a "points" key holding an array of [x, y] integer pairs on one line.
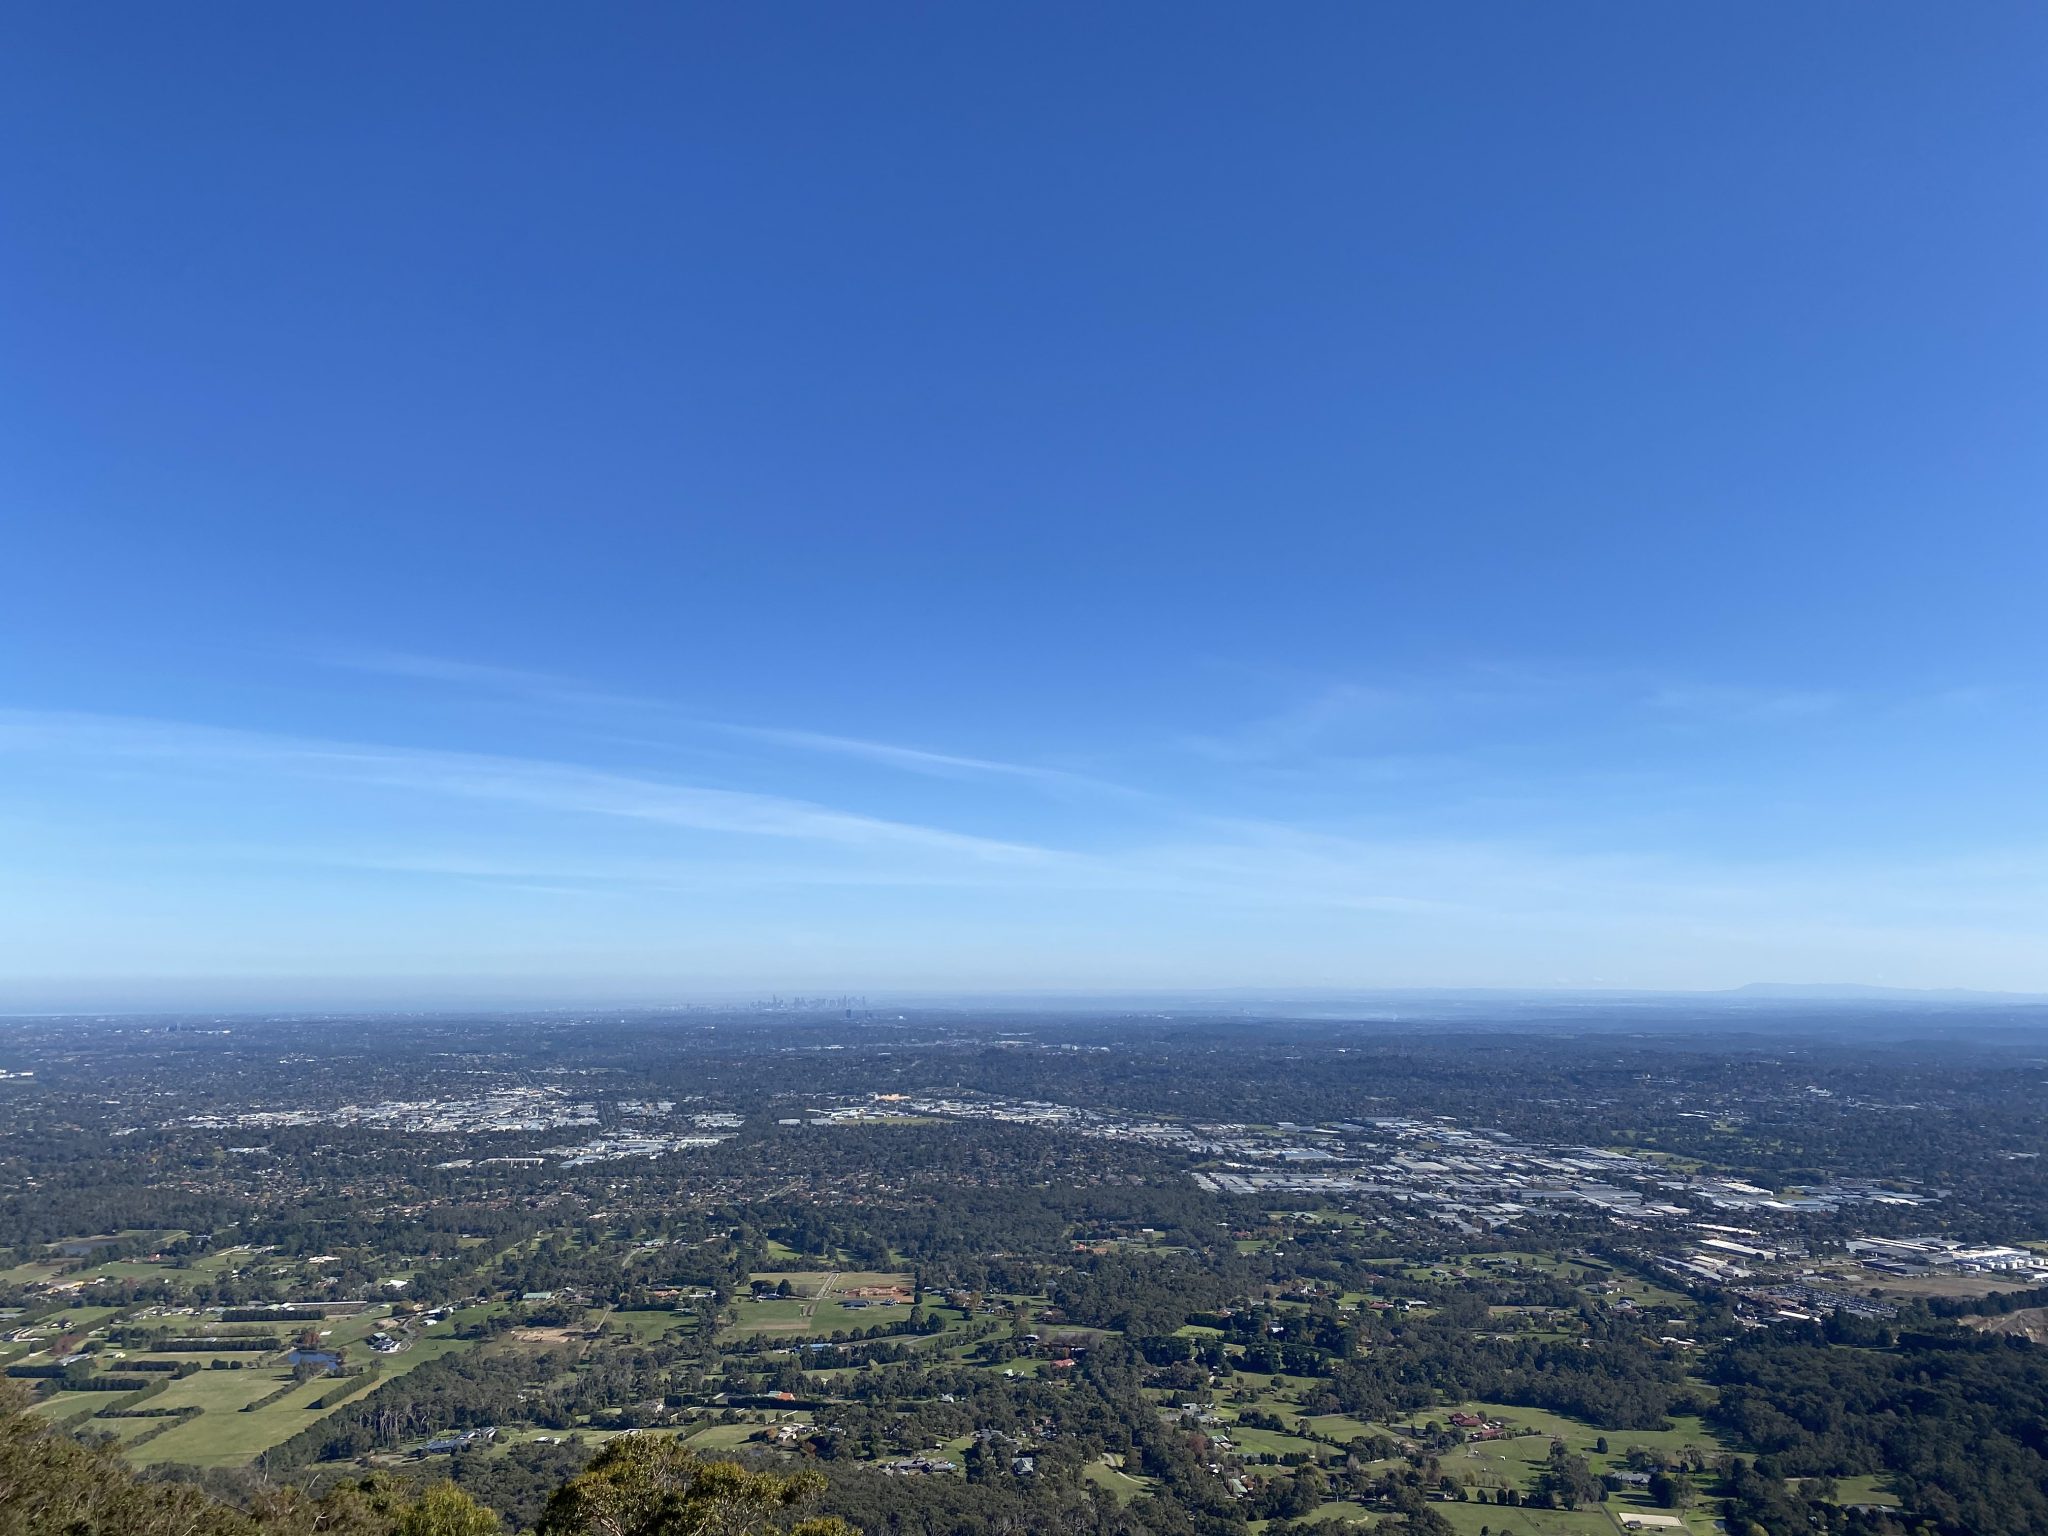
{"points": [[667, 503]]}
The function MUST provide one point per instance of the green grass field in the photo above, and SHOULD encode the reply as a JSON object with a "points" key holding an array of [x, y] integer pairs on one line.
{"points": [[223, 1436], [833, 1317], [1863, 1490], [1340, 1427], [202, 1358], [1339, 1510], [649, 1325], [815, 1307], [1517, 1462], [35, 1272], [351, 1330], [220, 1391], [806, 1283], [122, 1430], [1121, 1484], [1254, 1442], [779, 1315], [57, 1404], [71, 1319], [1470, 1519], [722, 1437], [134, 1269], [1580, 1437]]}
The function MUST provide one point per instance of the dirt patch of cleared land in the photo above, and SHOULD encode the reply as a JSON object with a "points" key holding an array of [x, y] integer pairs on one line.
{"points": [[2027, 1323]]}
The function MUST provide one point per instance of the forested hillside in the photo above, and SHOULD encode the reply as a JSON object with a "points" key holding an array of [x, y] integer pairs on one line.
{"points": [[51, 1485]]}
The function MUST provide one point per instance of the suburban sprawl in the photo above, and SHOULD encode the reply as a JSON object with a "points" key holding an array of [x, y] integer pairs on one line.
{"points": [[1144, 1275]]}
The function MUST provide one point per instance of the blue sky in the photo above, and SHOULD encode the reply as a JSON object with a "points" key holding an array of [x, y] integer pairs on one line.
{"points": [[649, 501]]}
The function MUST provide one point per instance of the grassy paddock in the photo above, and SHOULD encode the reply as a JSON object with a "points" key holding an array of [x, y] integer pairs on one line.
{"points": [[223, 1436], [1122, 1485], [1468, 1519]]}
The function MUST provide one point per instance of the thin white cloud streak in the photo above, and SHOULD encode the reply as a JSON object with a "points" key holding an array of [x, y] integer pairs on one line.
{"points": [[547, 688], [676, 875], [540, 687], [1338, 718], [1246, 867], [1249, 864], [914, 759], [540, 784], [1539, 884], [1252, 864], [1303, 727], [1439, 892]]}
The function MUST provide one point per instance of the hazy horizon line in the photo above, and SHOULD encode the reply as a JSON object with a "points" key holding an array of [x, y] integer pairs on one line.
{"points": [[1050, 998]]}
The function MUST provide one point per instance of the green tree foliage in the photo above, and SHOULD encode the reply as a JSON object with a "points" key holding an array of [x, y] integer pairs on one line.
{"points": [[1568, 1479], [445, 1510], [640, 1486], [49, 1483], [52, 1484], [1952, 1419]]}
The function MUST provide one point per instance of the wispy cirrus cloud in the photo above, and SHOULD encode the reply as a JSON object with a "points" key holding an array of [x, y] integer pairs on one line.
{"points": [[1212, 889], [538, 687], [1304, 727], [534, 783], [1387, 727], [915, 759], [551, 689]]}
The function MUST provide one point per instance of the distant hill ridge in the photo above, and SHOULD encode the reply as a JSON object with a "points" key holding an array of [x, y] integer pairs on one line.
{"points": [[1850, 991]]}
